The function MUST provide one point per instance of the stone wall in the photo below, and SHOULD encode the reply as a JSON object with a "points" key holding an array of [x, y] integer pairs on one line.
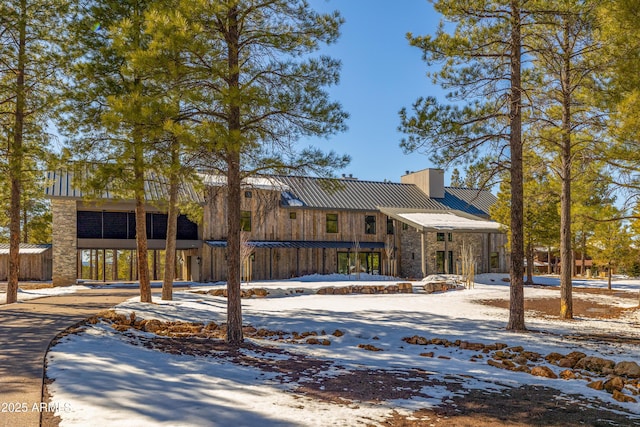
{"points": [[483, 245], [65, 248]]}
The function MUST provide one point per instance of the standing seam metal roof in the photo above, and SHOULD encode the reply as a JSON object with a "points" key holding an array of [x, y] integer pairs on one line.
{"points": [[371, 195]]}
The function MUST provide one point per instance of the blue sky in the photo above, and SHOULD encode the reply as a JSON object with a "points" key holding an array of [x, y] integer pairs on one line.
{"points": [[380, 74]]}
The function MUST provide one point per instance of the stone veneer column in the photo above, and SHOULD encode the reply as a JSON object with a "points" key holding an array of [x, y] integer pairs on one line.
{"points": [[65, 247]]}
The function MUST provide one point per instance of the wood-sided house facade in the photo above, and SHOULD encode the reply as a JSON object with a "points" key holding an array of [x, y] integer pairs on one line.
{"points": [[298, 226]]}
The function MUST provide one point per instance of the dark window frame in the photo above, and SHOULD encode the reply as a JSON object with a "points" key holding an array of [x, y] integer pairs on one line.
{"points": [[332, 223], [245, 221], [369, 224]]}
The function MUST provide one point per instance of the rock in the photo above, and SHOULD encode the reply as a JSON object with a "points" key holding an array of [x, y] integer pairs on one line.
{"points": [[576, 355], [475, 346], [153, 326], [405, 287], [543, 371], [521, 360], [429, 354], [614, 383], [553, 357], [596, 385], [325, 342], [531, 355], [313, 341], [369, 347], [337, 333], [627, 369], [621, 397], [325, 291], [567, 362], [517, 349], [567, 374], [218, 292], [416, 340], [260, 292], [120, 327], [594, 364]]}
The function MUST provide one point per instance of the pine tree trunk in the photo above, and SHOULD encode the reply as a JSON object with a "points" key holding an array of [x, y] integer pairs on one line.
{"points": [[234, 178], [609, 277], [141, 228], [516, 299], [172, 230], [15, 163], [566, 259], [529, 264]]}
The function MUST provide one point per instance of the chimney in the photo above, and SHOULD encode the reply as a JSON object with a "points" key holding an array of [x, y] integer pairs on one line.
{"points": [[430, 181]]}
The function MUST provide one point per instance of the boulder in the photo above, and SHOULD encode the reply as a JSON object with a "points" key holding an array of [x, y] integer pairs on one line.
{"points": [[596, 385], [475, 346], [543, 371], [614, 383], [553, 357], [260, 292], [416, 340], [621, 397], [594, 364], [153, 326], [567, 374], [627, 369], [337, 333]]}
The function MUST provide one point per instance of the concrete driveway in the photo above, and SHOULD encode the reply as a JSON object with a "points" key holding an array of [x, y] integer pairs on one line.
{"points": [[26, 329]]}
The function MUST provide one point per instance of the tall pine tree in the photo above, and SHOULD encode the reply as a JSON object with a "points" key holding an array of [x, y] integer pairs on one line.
{"points": [[481, 63]]}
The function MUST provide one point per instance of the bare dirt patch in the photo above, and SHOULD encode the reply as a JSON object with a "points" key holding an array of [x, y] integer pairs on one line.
{"points": [[582, 307]]}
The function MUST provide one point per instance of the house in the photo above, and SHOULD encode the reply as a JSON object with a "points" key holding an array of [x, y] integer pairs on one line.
{"points": [[35, 262], [293, 226]]}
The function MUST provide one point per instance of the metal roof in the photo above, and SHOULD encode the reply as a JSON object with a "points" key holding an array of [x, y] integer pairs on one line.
{"points": [[437, 220], [355, 194], [25, 248], [60, 184], [293, 244]]}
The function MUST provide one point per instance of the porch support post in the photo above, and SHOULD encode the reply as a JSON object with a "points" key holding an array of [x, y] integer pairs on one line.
{"points": [[423, 253]]}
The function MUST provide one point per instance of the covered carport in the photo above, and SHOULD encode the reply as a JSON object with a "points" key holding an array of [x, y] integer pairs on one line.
{"points": [[442, 221]]}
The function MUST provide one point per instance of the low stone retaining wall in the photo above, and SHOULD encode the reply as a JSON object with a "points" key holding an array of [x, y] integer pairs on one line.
{"points": [[398, 288]]}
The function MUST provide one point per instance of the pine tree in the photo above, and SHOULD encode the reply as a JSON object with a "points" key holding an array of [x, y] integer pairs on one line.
{"points": [[568, 120], [482, 63], [256, 90], [29, 78], [112, 109]]}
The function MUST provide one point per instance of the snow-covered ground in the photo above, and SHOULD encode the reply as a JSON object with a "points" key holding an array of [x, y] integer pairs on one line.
{"points": [[101, 374], [29, 294]]}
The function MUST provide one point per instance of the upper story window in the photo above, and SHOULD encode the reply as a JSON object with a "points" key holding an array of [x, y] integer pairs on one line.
{"points": [[245, 220], [440, 237], [247, 194], [332, 223], [390, 229], [370, 224], [292, 215]]}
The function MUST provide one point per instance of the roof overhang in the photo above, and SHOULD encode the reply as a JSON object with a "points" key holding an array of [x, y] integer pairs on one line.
{"points": [[425, 220]]}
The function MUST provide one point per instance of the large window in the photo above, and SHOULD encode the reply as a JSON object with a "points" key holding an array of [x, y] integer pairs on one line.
{"points": [[369, 262], [370, 224], [390, 226], [122, 225], [444, 265], [245, 220], [332, 223]]}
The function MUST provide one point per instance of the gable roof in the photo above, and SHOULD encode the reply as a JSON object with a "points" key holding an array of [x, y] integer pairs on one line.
{"points": [[352, 194], [60, 184]]}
